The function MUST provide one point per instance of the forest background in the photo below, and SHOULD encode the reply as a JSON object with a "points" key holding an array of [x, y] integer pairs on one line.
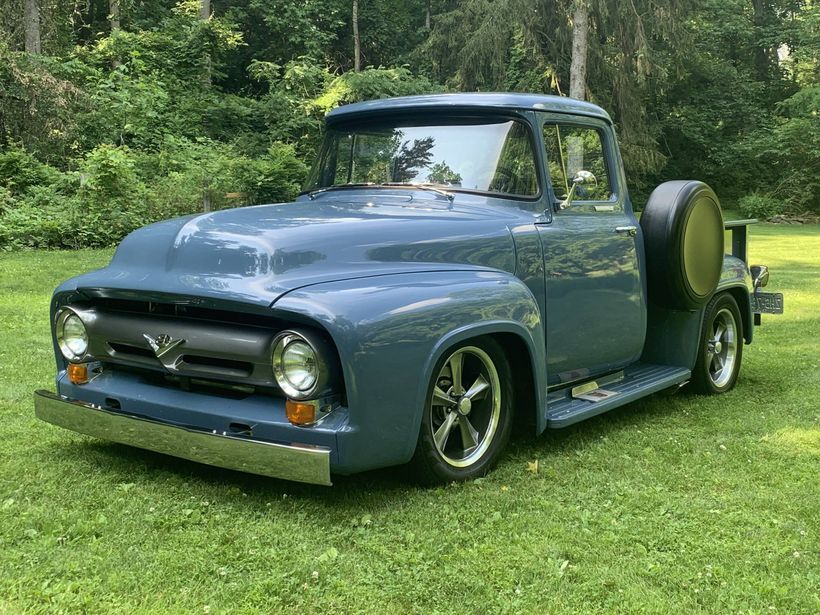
{"points": [[116, 113]]}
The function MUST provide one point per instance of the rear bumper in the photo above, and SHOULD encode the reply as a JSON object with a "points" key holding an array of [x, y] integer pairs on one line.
{"points": [[303, 463]]}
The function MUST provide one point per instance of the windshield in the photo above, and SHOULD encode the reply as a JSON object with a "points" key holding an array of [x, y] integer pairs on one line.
{"points": [[484, 155]]}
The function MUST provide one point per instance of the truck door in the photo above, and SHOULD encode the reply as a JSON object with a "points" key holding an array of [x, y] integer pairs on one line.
{"points": [[595, 305]]}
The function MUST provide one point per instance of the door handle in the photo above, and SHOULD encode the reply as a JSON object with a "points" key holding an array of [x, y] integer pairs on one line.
{"points": [[629, 230]]}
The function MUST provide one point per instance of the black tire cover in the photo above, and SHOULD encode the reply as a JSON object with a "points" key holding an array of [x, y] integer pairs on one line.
{"points": [[683, 235]]}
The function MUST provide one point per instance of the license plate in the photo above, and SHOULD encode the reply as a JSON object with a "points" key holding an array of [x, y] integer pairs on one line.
{"points": [[767, 303]]}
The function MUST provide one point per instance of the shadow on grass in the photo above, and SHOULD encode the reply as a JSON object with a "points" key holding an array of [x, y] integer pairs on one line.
{"points": [[365, 491]]}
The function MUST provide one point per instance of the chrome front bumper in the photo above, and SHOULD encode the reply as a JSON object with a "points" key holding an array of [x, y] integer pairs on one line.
{"points": [[304, 463]]}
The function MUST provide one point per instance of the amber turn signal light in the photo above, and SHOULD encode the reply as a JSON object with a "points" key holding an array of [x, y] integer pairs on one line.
{"points": [[300, 413], [78, 373]]}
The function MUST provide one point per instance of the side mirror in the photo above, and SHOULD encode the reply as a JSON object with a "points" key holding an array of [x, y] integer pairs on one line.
{"points": [[582, 178], [760, 275]]}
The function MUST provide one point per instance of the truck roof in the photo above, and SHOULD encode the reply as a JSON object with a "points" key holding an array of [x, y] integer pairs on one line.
{"points": [[466, 101]]}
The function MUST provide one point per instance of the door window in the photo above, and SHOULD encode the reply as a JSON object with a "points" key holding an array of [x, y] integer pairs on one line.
{"points": [[577, 148]]}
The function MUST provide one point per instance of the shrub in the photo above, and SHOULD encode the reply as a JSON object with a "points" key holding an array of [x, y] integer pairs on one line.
{"points": [[760, 205], [111, 196], [19, 171], [275, 178], [41, 220]]}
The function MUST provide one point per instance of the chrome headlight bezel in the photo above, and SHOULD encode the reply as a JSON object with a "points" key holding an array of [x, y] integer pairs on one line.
{"points": [[62, 317], [320, 354]]}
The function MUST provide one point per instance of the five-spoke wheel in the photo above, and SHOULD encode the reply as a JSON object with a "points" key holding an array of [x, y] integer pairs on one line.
{"points": [[468, 415], [721, 346]]}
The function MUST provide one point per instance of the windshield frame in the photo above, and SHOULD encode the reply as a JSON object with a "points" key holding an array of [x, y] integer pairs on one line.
{"points": [[434, 117]]}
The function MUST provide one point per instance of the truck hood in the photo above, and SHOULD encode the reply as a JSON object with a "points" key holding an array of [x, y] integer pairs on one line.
{"points": [[257, 254]]}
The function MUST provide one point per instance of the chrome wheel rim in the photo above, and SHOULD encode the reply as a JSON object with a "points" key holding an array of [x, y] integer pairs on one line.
{"points": [[721, 348], [465, 407]]}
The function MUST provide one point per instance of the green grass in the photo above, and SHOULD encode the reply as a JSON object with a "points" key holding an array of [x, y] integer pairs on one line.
{"points": [[672, 504]]}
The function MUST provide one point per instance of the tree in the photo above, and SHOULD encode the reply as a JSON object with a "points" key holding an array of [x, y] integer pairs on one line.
{"points": [[114, 14], [205, 15], [578, 67], [32, 26], [357, 45]]}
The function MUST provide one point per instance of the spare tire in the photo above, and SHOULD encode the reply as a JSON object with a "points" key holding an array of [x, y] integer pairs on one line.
{"points": [[683, 235]]}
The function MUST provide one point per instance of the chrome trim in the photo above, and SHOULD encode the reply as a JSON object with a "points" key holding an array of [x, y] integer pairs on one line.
{"points": [[760, 276], [282, 341], [298, 462], [63, 314], [582, 178], [630, 230], [325, 374]]}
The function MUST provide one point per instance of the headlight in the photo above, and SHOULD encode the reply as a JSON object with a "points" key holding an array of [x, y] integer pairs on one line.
{"points": [[72, 338], [297, 365]]}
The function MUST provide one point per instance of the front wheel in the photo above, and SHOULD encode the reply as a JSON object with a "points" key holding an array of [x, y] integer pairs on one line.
{"points": [[468, 414], [721, 347]]}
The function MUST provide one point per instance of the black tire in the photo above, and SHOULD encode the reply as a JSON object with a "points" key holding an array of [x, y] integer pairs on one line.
{"points": [[720, 349], [683, 234], [486, 417]]}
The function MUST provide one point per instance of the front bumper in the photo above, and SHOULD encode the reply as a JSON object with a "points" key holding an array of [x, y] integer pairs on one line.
{"points": [[303, 463]]}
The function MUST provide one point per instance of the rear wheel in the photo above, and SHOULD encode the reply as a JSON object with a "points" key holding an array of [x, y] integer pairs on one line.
{"points": [[721, 347], [468, 414]]}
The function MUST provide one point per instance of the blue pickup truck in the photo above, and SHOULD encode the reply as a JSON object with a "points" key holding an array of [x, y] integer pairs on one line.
{"points": [[455, 263]]}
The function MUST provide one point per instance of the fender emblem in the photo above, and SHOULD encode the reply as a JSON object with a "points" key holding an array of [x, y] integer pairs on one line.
{"points": [[161, 344]]}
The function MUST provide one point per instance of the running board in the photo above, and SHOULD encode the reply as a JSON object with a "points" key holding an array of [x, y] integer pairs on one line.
{"points": [[639, 381]]}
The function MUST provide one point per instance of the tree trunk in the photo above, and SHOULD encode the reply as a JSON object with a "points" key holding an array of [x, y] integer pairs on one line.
{"points": [[114, 14], [357, 46], [32, 25], [578, 81], [427, 16], [205, 15], [578, 67], [765, 57]]}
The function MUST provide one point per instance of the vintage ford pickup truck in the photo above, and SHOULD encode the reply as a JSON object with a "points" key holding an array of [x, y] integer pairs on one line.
{"points": [[455, 262]]}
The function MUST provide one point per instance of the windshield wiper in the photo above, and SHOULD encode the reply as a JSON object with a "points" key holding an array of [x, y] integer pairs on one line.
{"points": [[431, 187], [312, 194]]}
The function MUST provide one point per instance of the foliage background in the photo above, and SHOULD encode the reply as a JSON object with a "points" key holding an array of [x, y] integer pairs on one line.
{"points": [[110, 128]]}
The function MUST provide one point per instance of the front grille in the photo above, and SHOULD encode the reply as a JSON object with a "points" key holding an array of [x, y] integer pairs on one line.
{"points": [[182, 341], [126, 349], [215, 364]]}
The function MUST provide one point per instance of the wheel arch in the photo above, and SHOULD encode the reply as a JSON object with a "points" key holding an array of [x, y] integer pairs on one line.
{"points": [[744, 304], [520, 350]]}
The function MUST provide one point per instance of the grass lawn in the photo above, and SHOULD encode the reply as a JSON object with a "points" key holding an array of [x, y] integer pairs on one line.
{"points": [[672, 504]]}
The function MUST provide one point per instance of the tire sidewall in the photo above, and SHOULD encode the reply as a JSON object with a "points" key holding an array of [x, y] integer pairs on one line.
{"points": [[427, 462]]}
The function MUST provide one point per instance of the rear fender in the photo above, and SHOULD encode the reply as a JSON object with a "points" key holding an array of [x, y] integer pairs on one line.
{"points": [[673, 335], [737, 280], [391, 331]]}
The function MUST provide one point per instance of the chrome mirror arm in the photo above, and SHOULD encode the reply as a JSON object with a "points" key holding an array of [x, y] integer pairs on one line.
{"points": [[582, 178]]}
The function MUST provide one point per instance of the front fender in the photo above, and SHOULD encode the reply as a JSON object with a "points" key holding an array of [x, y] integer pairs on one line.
{"points": [[391, 330]]}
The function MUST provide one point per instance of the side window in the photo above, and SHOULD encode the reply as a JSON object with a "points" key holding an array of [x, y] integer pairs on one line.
{"points": [[576, 148]]}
